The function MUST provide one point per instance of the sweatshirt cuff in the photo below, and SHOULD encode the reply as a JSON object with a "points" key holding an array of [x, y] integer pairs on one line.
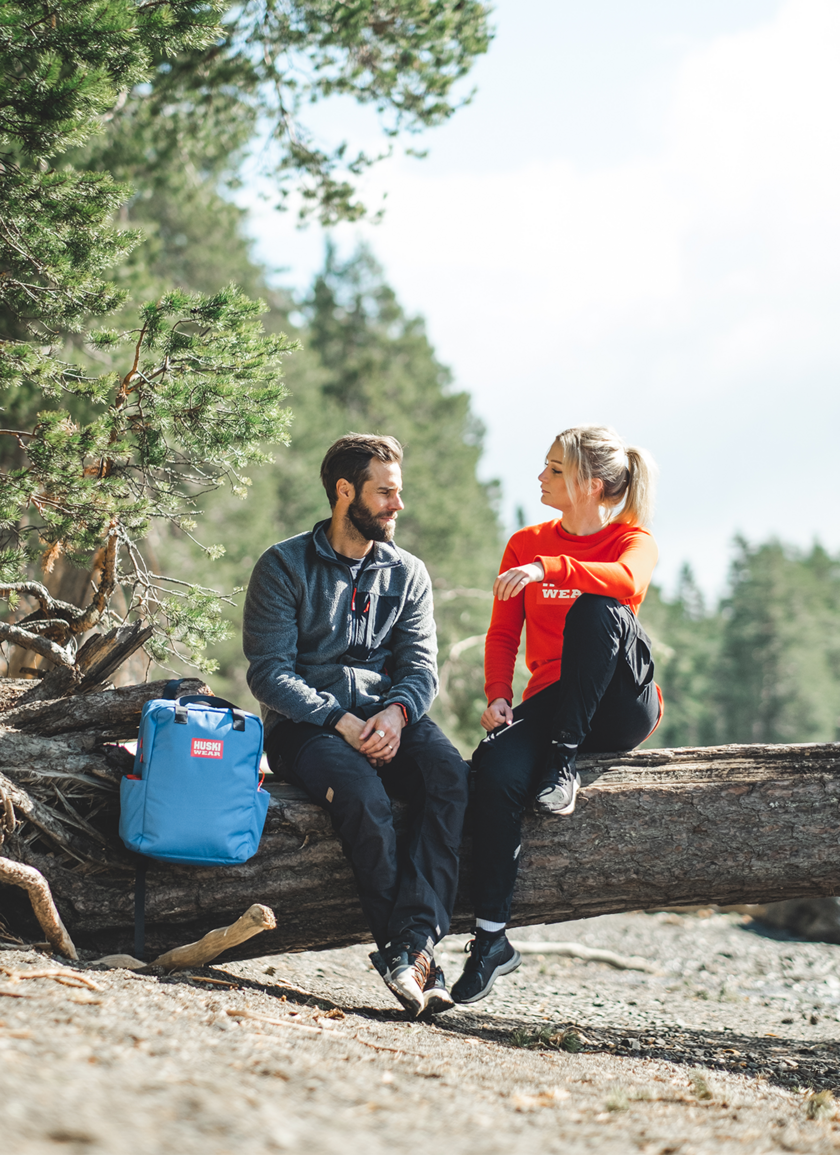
{"points": [[403, 707], [495, 690], [333, 718], [555, 567]]}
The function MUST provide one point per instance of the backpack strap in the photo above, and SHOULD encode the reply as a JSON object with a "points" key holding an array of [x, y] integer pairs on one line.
{"points": [[170, 690], [208, 700], [140, 908]]}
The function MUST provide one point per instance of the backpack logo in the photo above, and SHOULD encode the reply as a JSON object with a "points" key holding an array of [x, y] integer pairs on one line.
{"points": [[206, 748]]}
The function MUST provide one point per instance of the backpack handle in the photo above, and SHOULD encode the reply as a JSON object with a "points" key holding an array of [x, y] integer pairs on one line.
{"points": [[183, 701]]}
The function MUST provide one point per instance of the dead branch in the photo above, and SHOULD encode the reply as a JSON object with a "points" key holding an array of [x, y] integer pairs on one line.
{"points": [[107, 583], [195, 954], [38, 889], [43, 646], [585, 953], [67, 977]]}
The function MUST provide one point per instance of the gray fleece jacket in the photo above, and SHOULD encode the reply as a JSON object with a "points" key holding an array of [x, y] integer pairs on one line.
{"points": [[318, 646]]}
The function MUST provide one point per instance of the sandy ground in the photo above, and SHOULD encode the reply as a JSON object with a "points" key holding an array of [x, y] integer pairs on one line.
{"points": [[718, 1047]]}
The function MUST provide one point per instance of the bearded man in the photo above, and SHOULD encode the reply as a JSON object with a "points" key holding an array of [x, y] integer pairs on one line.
{"points": [[340, 640]]}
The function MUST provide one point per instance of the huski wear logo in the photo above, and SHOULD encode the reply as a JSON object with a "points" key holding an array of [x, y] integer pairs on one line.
{"points": [[206, 748], [550, 592]]}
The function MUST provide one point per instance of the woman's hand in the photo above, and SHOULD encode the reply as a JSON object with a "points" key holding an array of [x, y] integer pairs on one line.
{"points": [[498, 713], [513, 581]]}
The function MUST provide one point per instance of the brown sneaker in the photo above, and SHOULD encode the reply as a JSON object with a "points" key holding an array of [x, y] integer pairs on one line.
{"points": [[406, 973]]}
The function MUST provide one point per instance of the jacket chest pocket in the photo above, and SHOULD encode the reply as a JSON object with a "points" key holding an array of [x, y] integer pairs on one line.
{"points": [[372, 618], [384, 611]]}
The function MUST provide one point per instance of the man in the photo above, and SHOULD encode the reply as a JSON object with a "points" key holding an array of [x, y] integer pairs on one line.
{"points": [[340, 639]]}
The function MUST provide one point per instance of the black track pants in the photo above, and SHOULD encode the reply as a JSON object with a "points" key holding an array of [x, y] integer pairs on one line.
{"points": [[406, 892], [605, 701]]}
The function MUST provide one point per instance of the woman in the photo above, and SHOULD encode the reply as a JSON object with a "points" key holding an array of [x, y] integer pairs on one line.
{"points": [[576, 583]]}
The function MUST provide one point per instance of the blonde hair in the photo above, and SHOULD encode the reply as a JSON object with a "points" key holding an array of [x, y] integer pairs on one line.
{"points": [[597, 453]]}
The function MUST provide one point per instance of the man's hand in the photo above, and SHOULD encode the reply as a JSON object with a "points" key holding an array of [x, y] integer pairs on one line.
{"points": [[498, 713], [350, 728], [381, 735], [378, 738], [513, 581]]}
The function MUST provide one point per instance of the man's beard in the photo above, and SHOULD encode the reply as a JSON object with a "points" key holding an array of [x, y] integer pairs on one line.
{"points": [[366, 524]]}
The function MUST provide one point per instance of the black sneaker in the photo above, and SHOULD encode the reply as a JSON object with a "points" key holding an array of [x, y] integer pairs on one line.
{"points": [[558, 787], [437, 997], [489, 957], [406, 971]]}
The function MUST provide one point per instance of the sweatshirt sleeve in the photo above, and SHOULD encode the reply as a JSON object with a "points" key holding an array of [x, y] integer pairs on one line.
{"points": [[502, 643], [413, 642], [625, 578], [270, 642]]}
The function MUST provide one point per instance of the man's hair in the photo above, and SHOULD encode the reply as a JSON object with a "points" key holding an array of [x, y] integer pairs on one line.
{"points": [[350, 458]]}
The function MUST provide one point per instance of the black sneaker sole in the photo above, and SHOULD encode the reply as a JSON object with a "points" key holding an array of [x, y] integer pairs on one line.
{"points": [[504, 968]]}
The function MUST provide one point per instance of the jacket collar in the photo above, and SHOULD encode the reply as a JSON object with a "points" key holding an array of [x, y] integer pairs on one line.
{"points": [[385, 553]]}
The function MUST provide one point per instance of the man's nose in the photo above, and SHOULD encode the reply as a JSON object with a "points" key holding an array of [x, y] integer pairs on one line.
{"points": [[397, 503]]}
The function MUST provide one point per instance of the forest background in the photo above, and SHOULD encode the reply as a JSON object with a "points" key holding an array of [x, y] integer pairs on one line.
{"points": [[761, 664]]}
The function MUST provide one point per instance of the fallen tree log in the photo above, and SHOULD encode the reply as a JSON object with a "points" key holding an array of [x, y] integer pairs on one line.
{"points": [[109, 715], [653, 828]]}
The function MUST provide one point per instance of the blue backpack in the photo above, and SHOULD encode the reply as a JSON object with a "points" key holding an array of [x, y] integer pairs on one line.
{"points": [[195, 796]]}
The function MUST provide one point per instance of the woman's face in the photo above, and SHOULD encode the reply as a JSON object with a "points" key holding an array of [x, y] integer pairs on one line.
{"points": [[552, 481]]}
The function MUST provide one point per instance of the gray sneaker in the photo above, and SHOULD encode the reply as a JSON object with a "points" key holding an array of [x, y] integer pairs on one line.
{"points": [[558, 787]]}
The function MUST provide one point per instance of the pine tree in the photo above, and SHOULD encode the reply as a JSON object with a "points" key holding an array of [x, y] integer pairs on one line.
{"points": [[146, 418]]}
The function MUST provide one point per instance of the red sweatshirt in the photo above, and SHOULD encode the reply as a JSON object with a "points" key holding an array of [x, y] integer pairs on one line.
{"points": [[616, 562]]}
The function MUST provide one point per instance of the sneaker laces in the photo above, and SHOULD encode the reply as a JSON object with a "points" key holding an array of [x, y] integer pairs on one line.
{"points": [[423, 964], [477, 948]]}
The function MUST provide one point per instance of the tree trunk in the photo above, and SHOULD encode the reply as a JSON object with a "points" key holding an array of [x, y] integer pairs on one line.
{"points": [[653, 828]]}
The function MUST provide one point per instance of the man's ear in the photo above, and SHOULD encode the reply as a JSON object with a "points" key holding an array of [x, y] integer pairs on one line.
{"points": [[345, 489]]}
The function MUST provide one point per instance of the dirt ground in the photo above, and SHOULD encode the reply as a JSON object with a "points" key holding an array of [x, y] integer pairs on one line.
{"points": [[723, 1044]]}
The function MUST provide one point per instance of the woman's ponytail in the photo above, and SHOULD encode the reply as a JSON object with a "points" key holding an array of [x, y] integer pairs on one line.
{"points": [[641, 488]]}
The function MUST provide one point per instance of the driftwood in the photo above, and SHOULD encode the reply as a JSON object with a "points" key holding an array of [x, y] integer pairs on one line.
{"points": [[38, 889], [195, 954], [576, 950], [653, 828]]}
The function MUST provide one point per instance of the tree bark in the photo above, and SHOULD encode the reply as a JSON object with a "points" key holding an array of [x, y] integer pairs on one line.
{"points": [[653, 828]]}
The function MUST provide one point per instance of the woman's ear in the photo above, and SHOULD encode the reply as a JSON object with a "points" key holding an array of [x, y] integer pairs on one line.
{"points": [[596, 488]]}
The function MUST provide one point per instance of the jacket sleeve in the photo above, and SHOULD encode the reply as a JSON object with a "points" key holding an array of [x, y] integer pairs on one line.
{"points": [[624, 579], [270, 642], [502, 643], [413, 642]]}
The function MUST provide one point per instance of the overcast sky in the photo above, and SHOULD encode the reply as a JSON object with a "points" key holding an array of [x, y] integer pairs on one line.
{"points": [[635, 223]]}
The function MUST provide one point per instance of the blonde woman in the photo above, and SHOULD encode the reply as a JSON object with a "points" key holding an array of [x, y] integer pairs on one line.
{"points": [[575, 583]]}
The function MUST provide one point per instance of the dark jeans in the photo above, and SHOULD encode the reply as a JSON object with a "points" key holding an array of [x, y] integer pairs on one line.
{"points": [[605, 701], [406, 892]]}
